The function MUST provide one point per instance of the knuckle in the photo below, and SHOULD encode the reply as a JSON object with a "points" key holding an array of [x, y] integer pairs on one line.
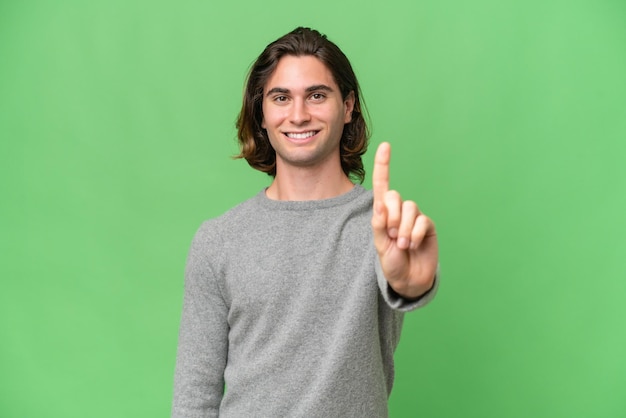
{"points": [[410, 206], [428, 222], [392, 195]]}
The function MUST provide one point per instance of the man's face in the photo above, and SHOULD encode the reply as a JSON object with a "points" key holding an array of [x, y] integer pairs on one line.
{"points": [[304, 113]]}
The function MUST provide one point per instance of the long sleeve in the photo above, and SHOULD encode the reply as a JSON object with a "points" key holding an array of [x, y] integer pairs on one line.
{"points": [[396, 301], [203, 337]]}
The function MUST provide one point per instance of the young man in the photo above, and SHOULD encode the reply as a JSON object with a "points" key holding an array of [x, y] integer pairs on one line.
{"points": [[294, 299]]}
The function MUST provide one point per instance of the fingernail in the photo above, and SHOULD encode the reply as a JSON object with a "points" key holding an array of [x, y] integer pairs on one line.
{"points": [[403, 243], [393, 232]]}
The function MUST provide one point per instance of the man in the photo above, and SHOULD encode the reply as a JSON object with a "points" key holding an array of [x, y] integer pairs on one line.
{"points": [[294, 299]]}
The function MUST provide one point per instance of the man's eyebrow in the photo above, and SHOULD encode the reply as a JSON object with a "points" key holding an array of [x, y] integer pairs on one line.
{"points": [[316, 87], [277, 90]]}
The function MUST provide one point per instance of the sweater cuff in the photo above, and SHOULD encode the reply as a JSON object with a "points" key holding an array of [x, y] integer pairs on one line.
{"points": [[399, 303]]}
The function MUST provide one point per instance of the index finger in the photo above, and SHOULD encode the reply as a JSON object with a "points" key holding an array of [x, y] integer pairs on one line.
{"points": [[380, 174]]}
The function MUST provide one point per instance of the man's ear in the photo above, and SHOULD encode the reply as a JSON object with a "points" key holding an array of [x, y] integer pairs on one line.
{"points": [[348, 102]]}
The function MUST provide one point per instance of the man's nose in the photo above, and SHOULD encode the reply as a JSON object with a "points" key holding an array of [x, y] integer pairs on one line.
{"points": [[299, 113]]}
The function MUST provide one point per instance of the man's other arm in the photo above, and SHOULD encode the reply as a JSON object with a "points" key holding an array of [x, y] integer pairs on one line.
{"points": [[203, 336]]}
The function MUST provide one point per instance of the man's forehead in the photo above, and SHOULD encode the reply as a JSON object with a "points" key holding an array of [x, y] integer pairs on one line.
{"points": [[300, 73]]}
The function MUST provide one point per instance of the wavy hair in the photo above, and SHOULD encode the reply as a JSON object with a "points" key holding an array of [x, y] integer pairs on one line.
{"points": [[253, 140]]}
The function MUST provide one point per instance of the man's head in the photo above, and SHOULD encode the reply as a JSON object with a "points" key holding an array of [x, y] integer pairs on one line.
{"points": [[253, 138]]}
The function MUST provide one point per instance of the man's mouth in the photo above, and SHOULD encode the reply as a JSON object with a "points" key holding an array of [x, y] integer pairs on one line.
{"points": [[300, 135]]}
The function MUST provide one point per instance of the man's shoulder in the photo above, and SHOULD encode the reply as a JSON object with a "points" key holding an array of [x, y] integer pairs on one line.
{"points": [[234, 214], [251, 204]]}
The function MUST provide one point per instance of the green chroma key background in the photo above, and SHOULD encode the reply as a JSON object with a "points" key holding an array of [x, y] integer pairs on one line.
{"points": [[508, 126]]}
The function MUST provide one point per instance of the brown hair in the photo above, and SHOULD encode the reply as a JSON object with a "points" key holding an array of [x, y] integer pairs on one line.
{"points": [[253, 140]]}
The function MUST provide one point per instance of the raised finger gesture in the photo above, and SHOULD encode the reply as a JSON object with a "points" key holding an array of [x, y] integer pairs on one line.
{"points": [[404, 237]]}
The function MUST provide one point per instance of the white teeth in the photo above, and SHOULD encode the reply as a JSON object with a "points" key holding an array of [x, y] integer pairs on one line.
{"points": [[302, 135]]}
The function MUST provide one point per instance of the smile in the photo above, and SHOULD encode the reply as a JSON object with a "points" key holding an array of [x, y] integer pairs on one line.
{"points": [[300, 135]]}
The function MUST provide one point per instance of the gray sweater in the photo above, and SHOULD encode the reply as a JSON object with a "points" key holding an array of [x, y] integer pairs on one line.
{"points": [[287, 314]]}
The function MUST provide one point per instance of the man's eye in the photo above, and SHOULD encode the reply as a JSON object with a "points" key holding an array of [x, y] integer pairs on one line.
{"points": [[317, 96], [280, 99]]}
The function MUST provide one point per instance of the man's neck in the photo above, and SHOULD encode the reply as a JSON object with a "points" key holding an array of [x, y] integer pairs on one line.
{"points": [[308, 183]]}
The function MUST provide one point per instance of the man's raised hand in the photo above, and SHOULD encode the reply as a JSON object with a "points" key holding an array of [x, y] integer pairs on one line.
{"points": [[404, 237]]}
